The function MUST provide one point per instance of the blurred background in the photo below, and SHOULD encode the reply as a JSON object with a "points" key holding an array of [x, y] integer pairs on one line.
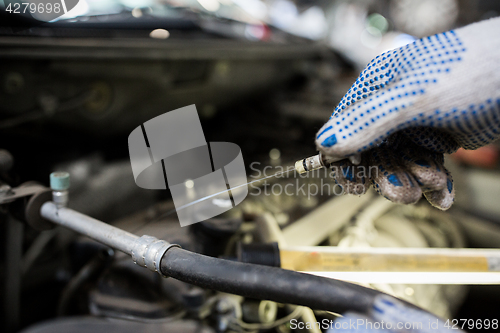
{"points": [[265, 74]]}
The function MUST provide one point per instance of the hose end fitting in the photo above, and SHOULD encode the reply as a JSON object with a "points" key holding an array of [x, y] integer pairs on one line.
{"points": [[147, 251]]}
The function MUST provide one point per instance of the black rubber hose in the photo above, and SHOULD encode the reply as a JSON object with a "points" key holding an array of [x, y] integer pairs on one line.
{"points": [[267, 283]]}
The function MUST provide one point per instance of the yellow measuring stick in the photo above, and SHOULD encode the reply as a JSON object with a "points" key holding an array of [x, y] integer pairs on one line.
{"points": [[396, 265]]}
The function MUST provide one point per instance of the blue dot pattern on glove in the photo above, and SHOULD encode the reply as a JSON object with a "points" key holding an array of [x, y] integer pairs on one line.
{"points": [[433, 139], [390, 85], [419, 62]]}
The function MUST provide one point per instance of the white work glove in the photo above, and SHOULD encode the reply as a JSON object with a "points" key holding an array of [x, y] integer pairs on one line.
{"points": [[388, 315], [411, 105]]}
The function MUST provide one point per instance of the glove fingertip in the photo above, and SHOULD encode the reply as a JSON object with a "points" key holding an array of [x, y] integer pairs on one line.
{"points": [[398, 187], [442, 199], [428, 174]]}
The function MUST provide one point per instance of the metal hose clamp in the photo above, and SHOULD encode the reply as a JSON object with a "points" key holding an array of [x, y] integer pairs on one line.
{"points": [[147, 251]]}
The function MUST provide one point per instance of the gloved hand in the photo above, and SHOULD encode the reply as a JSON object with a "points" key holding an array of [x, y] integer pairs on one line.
{"points": [[411, 105], [388, 315]]}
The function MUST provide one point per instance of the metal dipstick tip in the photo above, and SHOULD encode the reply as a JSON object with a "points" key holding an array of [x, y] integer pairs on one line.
{"points": [[309, 164], [59, 183], [316, 162]]}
